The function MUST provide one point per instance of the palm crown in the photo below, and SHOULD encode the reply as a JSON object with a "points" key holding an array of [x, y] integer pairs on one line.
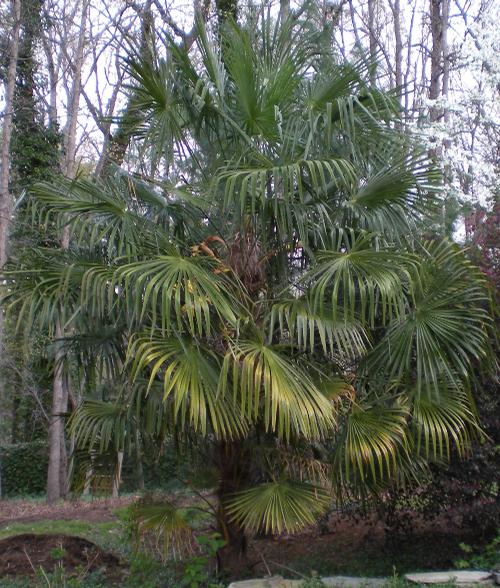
{"points": [[262, 284]]}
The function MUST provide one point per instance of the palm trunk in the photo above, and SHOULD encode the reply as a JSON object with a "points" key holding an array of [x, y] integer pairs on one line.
{"points": [[232, 477]]}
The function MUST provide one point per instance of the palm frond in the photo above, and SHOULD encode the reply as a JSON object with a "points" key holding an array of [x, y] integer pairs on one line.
{"points": [[309, 327], [278, 506], [440, 420], [178, 292], [190, 374], [445, 327], [370, 444], [165, 525], [267, 385], [359, 279], [99, 424]]}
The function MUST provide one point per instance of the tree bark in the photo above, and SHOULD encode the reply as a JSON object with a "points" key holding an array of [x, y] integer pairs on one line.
{"points": [[57, 474], [138, 461], [117, 474], [398, 53], [436, 56], [5, 196], [233, 475], [372, 40], [115, 147]]}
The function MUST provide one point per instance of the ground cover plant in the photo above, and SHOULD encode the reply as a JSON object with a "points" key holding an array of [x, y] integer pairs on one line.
{"points": [[350, 547]]}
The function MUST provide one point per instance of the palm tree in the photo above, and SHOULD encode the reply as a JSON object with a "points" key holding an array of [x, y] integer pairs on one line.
{"points": [[259, 290]]}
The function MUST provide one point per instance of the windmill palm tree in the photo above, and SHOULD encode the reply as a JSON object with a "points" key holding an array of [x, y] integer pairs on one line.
{"points": [[261, 287]]}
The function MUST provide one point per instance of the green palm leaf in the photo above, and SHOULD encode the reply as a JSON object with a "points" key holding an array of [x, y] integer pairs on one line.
{"points": [[445, 327], [166, 524], [100, 424], [186, 289], [190, 374], [359, 279], [371, 442], [266, 385], [279, 506], [440, 420], [298, 320]]}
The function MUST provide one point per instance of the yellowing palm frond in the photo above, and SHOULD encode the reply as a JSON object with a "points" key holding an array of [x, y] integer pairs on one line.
{"points": [[165, 525], [370, 444], [278, 506], [179, 292], [266, 385], [190, 374]]}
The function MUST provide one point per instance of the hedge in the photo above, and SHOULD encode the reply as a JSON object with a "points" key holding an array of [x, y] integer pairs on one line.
{"points": [[23, 468]]}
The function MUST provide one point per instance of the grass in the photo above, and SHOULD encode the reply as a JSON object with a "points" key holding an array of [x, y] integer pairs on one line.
{"points": [[144, 572], [109, 536], [105, 534]]}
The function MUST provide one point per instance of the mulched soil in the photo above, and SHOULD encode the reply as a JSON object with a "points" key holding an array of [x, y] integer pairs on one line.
{"points": [[98, 510], [24, 555], [345, 546]]}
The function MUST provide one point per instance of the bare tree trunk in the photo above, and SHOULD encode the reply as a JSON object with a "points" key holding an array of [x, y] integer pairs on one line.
{"points": [[57, 482], [284, 10], [116, 145], [398, 53], [409, 57], [445, 20], [55, 476], [138, 461], [69, 163], [5, 196], [372, 39], [436, 56], [117, 475]]}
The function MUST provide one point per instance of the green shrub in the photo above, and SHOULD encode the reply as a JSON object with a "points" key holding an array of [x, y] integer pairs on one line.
{"points": [[487, 558], [23, 468], [313, 582]]}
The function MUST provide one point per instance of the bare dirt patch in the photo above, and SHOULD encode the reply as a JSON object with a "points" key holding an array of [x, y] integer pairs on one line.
{"points": [[98, 510], [24, 555]]}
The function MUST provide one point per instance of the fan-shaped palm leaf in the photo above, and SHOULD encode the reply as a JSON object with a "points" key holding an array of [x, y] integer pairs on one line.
{"points": [[100, 424], [266, 385], [189, 288], [166, 524], [442, 419], [302, 324], [190, 374], [371, 440], [444, 329], [278, 506], [359, 279]]}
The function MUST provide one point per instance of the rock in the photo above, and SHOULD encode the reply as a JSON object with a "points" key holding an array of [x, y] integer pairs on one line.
{"points": [[330, 582], [455, 576], [353, 582], [274, 582]]}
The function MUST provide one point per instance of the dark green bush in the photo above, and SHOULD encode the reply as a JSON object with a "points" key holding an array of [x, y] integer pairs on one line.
{"points": [[23, 468]]}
